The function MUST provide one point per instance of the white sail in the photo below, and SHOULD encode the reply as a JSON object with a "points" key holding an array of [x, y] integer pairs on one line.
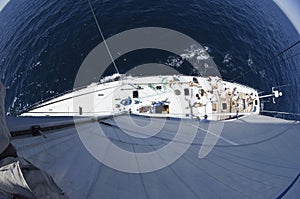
{"points": [[262, 163]]}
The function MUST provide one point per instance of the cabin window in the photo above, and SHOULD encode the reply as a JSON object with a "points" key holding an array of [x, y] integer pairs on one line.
{"points": [[135, 94], [177, 92], [224, 106], [100, 94], [255, 102], [158, 87], [186, 92]]}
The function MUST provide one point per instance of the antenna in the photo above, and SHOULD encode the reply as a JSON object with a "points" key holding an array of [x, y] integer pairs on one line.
{"points": [[101, 33], [275, 94]]}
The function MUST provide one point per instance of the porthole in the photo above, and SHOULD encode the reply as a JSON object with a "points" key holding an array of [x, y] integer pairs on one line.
{"points": [[177, 92]]}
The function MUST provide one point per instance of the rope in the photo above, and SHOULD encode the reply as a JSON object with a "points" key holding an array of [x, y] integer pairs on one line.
{"points": [[101, 33], [291, 56], [284, 85], [289, 187], [287, 48]]}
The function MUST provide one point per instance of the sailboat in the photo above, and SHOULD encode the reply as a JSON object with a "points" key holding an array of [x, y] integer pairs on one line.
{"points": [[176, 96], [145, 150], [162, 136]]}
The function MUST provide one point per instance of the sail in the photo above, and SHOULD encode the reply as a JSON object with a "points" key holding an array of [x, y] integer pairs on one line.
{"points": [[4, 133], [254, 156], [18, 177]]}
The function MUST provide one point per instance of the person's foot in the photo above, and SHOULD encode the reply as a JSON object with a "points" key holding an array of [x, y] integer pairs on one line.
{"points": [[10, 151]]}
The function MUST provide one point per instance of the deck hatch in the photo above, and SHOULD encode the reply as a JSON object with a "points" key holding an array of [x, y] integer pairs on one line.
{"points": [[135, 94], [186, 92], [177, 92]]}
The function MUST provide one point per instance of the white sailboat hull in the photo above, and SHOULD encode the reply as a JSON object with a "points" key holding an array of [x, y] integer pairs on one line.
{"points": [[162, 96]]}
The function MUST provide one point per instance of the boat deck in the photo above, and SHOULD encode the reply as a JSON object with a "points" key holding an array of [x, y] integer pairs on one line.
{"points": [[177, 95]]}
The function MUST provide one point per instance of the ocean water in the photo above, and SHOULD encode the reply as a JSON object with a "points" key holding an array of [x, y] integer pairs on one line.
{"points": [[43, 43]]}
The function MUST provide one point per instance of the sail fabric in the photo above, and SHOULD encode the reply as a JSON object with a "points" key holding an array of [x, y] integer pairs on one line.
{"points": [[4, 133], [255, 157], [19, 177]]}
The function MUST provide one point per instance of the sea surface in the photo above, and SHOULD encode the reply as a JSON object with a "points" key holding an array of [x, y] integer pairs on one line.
{"points": [[43, 43]]}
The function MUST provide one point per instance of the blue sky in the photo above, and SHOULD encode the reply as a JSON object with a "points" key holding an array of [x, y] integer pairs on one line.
{"points": [[292, 10]]}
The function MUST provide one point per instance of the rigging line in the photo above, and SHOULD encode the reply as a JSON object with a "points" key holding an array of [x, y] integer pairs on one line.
{"points": [[275, 62], [243, 74], [289, 187], [101, 33], [287, 48], [284, 85], [291, 56], [287, 58]]}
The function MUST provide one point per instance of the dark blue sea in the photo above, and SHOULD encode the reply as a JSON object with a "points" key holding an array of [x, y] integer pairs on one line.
{"points": [[43, 43]]}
